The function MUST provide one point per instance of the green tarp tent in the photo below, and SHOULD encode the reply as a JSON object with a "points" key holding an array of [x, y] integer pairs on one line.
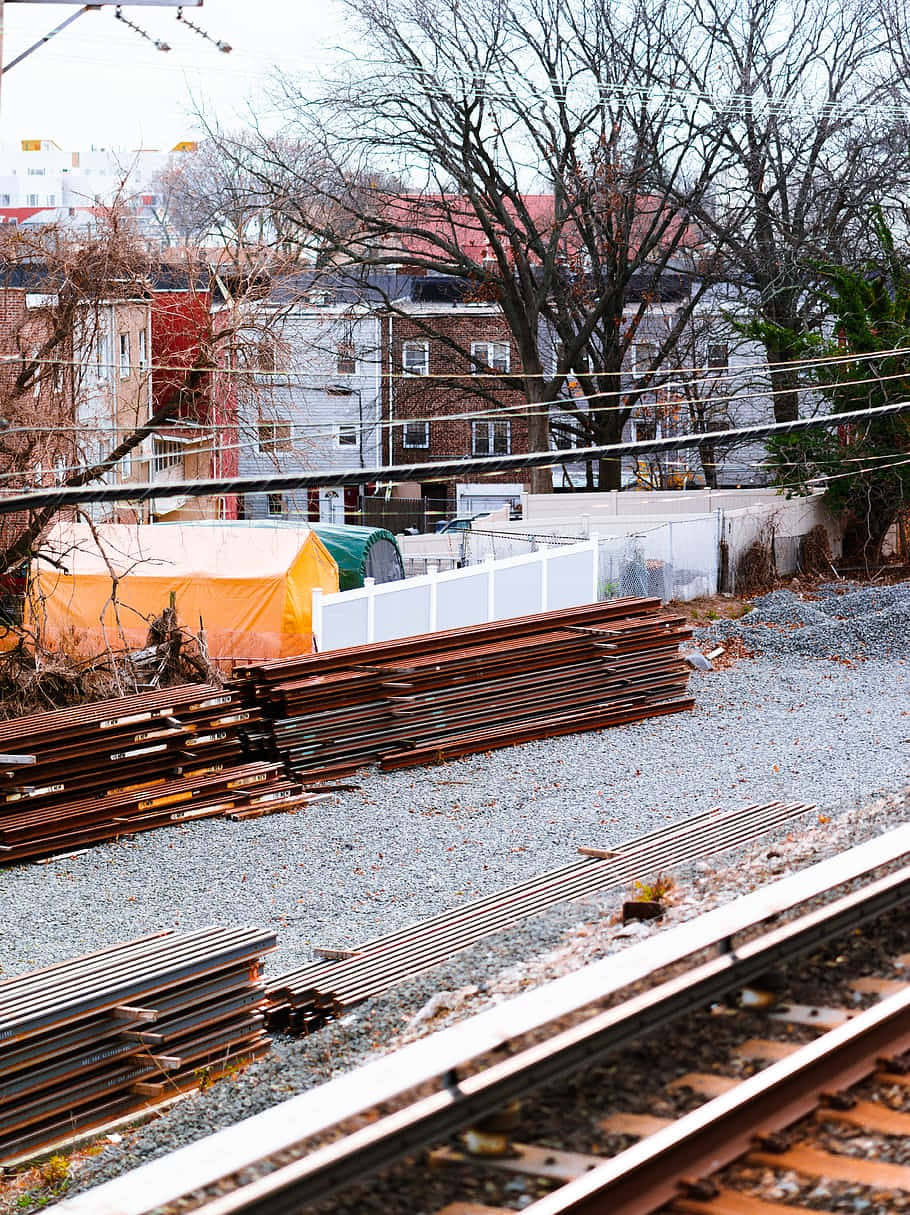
{"points": [[361, 552]]}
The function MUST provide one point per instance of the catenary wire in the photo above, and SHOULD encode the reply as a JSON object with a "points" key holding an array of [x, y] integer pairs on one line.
{"points": [[432, 470]]}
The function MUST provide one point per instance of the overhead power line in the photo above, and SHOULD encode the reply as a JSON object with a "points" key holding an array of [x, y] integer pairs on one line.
{"points": [[429, 471]]}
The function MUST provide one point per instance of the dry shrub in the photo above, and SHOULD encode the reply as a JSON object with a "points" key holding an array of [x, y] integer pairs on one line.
{"points": [[34, 678], [815, 551], [755, 570]]}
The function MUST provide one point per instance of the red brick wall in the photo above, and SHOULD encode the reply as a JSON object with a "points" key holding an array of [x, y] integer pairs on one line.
{"points": [[439, 399]]}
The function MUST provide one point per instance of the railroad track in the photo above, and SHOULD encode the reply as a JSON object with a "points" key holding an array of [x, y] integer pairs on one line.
{"points": [[368, 1129]]}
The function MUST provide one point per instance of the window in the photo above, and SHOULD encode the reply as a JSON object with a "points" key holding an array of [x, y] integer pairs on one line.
{"points": [[346, 436], [51, 200], [36, 172], [415, 358], [346, 357], [4, 200], [143, 352], [103, 354], [31, 200], [274, 434], [565, 432], [494, 355], [644, 430], [166, 453], [718, 355], [276, 504], [644, 356], [124, 356], [416, 434], [491, 438]]}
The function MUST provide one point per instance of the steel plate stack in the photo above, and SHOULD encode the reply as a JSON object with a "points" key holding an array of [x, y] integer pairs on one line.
{"points": [[120, 766], [441, 695], [91, 1040]]}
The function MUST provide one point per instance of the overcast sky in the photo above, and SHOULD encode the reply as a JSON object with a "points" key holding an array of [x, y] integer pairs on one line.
{"points": [[98, 83]]}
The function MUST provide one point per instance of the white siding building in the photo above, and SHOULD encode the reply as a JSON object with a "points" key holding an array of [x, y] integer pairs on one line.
{"points": [[316, 400]]}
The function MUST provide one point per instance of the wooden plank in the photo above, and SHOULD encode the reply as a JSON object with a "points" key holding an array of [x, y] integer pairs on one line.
{"points": [[879, 1174], [707, 1084], [731, 1202], [475, 1208], [871, 1116], [765, 1050], [529, 1159], [640, 1125], [821, 1019], [871, 986], [901, 1078]]}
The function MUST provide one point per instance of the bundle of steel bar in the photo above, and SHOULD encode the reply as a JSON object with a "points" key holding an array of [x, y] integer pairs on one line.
{"points": [[305, 999], [121, 766], [445, 694], [97, 1038]]}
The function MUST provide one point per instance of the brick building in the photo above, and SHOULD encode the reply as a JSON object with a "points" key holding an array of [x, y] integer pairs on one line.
{"points": [[449, 395]]}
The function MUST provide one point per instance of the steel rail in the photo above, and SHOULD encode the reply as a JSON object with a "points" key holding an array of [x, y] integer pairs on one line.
{"points": [[473, 689], [192, 1168], [581, 876], [346, 983], [151, 703], [468, 744], [432, 1119], [29, 1008], [643, 1178], [135, 1019], [278, 669], [370, 978]]}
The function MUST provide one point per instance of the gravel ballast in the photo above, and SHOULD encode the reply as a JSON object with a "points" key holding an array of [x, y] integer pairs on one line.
{"points": [[786, 725]]}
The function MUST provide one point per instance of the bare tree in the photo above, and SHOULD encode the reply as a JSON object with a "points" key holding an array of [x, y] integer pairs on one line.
{"points": [[534, 169], [62, 422], [801, 97]]}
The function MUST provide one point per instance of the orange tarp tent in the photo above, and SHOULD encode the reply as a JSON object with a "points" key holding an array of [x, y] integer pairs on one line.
{"points": [[251, 589]]}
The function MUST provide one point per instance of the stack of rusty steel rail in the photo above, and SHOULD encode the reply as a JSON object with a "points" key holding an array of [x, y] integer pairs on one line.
{"points": [[121, 766], [441, 695], [305, 999], [100, 1037]]}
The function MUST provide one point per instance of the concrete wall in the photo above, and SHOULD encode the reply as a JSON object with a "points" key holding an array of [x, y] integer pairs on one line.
{"points": [[642, 505]]}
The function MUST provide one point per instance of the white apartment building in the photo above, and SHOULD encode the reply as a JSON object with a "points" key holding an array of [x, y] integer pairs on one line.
{"points": [[42, 183], [315, 401]]}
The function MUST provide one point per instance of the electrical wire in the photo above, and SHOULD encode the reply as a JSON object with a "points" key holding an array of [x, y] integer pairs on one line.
{"points": [[289, 372], [433, 470], [564, 405]]}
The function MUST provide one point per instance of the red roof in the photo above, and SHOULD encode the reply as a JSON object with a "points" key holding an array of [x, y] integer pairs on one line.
{"points": [[437, 220]]}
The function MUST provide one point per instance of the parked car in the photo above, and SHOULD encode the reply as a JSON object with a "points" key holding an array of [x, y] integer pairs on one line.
{"points": [[461, 523]]}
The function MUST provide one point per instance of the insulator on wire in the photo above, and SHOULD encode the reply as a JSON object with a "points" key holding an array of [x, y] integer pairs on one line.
{"points": [[224, 47], [156, 42]]}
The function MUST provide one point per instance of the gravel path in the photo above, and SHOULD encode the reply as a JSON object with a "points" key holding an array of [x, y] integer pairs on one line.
{"points": [[406, 844], [785, 726]]}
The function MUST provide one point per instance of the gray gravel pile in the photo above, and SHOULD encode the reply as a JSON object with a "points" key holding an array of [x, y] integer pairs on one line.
{"points": [[858, 625], [406, 845]]}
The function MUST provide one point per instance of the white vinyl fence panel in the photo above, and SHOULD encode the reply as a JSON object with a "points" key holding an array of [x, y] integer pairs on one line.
{"points": [[542, 581]]}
